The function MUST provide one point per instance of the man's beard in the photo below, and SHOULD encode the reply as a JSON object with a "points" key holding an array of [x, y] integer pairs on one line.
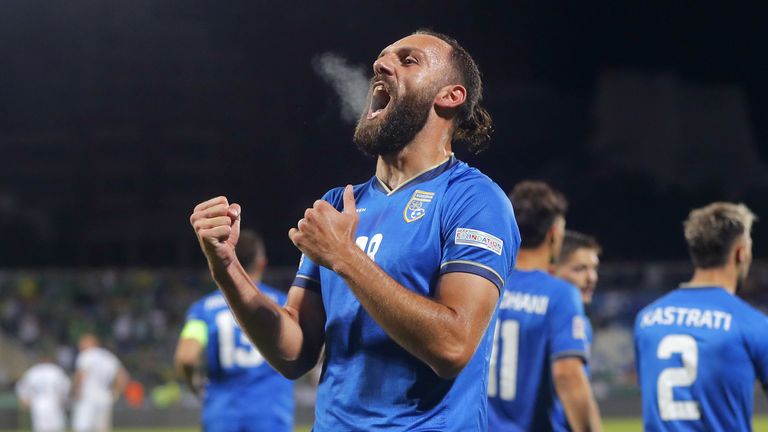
{"points": [[398, 127]]}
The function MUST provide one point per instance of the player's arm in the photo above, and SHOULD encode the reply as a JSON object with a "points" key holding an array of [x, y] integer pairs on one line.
{"points": [[575, 393], [121, 382], [22, 391], [443, 331], [757, 346], [568, 352], [289, 337], [189, 350], [77, 382]]}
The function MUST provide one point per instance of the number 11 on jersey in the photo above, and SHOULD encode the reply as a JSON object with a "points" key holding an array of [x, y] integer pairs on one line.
{"points": [[506, 386]]}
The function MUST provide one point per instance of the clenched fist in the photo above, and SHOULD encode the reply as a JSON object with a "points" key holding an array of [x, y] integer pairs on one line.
{"points": [[217, 226]]}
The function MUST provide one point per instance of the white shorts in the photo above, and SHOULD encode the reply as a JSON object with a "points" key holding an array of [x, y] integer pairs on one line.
{"points": [[92, 416], [47, 416]]}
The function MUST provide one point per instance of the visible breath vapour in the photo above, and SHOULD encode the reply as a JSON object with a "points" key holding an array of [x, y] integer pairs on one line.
{"points": [[348, 81]]}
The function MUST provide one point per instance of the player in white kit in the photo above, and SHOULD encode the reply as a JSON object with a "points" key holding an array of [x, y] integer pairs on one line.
{"points": [[99, 380], [44, 389]]}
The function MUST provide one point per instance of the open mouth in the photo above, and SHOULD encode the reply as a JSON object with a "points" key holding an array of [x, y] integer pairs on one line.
{"points": [[379, 100]]}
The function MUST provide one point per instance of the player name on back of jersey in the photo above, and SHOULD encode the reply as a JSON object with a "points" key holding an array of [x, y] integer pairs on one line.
{"points": [[523, 302], [687, 317]]}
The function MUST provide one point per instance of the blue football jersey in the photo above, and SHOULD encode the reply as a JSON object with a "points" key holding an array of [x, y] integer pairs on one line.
{"points": [[241, 385], [451, 218], [699, 351], [541, 319]]}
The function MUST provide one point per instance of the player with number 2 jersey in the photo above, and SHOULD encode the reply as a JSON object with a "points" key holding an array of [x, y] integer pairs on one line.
{"points": [[700, 348]]}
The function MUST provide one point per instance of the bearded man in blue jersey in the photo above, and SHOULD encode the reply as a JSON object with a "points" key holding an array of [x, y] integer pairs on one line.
{"points": [[537, 378], [240, 391], [700, 349], [400, 276]]}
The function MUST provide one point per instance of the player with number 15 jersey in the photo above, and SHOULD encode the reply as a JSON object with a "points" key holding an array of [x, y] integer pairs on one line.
{"points": [[243, 392]]}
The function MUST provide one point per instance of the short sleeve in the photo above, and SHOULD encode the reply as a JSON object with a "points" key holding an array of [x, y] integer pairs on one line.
{"points": [[195, 312], [567, 326], [479, 232], [758, 347], [308, 274]]}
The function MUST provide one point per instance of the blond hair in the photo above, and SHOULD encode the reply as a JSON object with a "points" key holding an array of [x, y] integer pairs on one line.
{"points": [[711, 231]]}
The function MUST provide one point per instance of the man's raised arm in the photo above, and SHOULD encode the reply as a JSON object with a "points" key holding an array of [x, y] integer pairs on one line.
{"points": [[290, 338]]}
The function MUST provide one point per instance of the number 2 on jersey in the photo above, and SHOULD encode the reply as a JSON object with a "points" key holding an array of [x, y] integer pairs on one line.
{"points": [[669, 408], [231, 353], [506, 386]]}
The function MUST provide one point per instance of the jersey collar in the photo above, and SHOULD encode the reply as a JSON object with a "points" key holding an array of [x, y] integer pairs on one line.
{"points": [[688, 285], [422, 177]]}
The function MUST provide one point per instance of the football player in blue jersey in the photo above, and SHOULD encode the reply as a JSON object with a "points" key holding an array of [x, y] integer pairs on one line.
{"points": [[578, 263], [700, 349], [540, 342], [242, 392], [400, 276]]}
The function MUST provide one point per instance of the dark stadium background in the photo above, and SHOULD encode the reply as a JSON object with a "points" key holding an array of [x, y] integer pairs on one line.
{"points": [[116, 117]]}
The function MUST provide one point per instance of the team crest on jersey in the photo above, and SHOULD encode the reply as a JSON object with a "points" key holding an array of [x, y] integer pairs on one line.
{"points": [[417, 206]]}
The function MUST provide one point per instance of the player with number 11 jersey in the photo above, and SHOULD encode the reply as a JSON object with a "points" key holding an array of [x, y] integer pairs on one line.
{"points": [[540, 345]]}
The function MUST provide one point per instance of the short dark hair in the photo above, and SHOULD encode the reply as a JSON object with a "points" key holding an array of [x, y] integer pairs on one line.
{"points": [[473, 122], [250, 248], [711, 231], [574, 240], [537, 206]]}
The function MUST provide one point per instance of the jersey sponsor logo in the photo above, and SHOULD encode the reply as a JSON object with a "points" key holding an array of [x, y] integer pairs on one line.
{"points": [[472, 237], [528, 303], [687, 317], [417, 205], [579, 328]]}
